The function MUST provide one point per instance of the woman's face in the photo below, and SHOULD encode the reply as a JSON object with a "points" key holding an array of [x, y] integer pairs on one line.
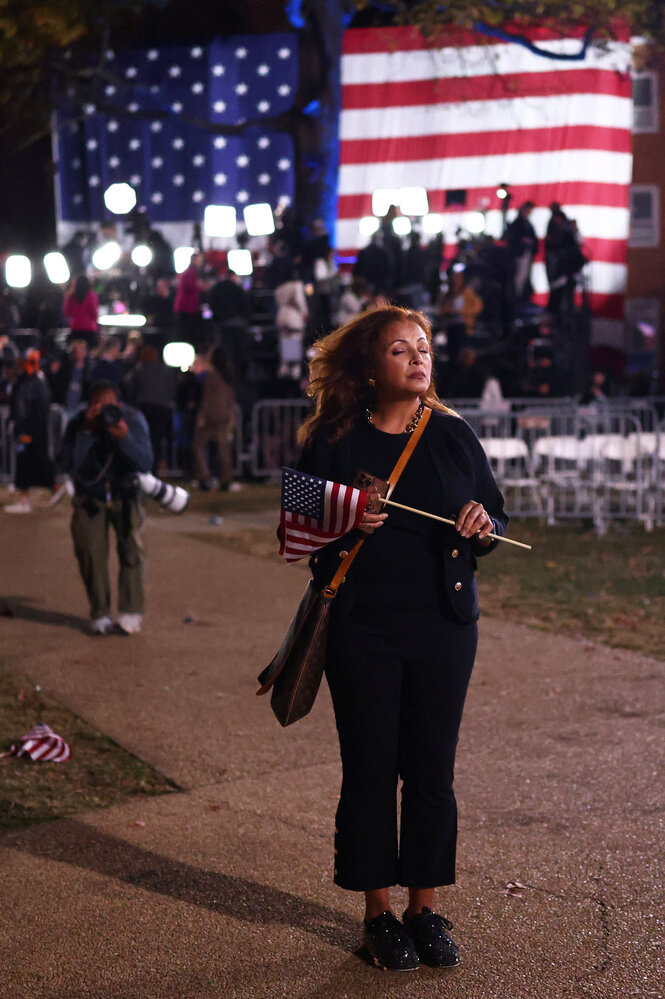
{"points": [[403, 364]]}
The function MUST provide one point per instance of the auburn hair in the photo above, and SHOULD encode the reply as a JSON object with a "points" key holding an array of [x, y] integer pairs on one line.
{"points": [[340, 367]]}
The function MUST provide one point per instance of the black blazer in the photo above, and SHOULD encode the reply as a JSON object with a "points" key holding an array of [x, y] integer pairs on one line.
{"points": [[465, 475]]}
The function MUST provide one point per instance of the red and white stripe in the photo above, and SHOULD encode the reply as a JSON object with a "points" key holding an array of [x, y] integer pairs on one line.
{"points": [[467, 113], [343, 510], [42, 744]]}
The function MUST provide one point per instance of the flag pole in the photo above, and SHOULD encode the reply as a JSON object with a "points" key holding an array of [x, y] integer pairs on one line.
{"points": [[446, 520]]}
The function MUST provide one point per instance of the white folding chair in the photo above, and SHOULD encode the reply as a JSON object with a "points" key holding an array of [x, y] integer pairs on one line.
{"points": [[512, 466]]}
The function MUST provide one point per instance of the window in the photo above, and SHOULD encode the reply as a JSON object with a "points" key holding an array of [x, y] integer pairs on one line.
{"points": [[644, 215], [645, 102]]}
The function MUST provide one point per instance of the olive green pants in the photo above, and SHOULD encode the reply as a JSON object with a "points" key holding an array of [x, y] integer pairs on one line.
{"points": [[90, 530]]}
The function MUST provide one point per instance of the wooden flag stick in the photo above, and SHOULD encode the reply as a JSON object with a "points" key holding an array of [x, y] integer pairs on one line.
{"points": [[446, 520]]}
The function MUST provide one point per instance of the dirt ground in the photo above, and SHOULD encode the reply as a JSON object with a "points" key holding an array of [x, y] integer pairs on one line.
{"points": [[225, 886]]}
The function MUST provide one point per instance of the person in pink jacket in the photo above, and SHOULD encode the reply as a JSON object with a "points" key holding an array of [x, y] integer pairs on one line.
{"points": [[187, 304], [81, 309]]}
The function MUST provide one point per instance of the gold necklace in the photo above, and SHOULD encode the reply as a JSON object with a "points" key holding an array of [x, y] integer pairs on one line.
{"points": [[411, 425]]}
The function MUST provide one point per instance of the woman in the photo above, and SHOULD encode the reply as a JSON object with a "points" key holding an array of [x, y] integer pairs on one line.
{"points": [[403, 631], [81, 308]]}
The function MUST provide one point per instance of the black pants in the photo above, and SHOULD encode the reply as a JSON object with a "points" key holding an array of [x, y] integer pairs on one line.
{"points": [[398, 694]]}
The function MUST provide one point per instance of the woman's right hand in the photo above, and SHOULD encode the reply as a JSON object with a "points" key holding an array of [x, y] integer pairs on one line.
{"points": [[373, 517]]}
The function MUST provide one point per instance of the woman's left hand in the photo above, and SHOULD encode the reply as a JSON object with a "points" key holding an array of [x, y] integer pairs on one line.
{"points": [[473, 520]]}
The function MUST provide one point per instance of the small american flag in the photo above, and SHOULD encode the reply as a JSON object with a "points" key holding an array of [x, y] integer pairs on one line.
{"points": [[41, 743], [315, 511]]}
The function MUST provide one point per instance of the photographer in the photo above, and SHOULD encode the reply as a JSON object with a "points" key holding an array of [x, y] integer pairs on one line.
{"points": [[104, 448]]}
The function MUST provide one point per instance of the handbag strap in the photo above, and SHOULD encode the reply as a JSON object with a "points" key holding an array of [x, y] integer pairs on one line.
{"points": [[331, 589]]}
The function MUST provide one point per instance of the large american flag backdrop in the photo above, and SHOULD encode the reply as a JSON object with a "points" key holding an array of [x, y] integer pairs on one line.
{"points": [[149, 130], [469, 113]]}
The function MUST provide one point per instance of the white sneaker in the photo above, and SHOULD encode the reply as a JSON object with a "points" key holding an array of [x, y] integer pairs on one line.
{"points": [[102, 626], [235, 487], [130, 623], [22, 506]]}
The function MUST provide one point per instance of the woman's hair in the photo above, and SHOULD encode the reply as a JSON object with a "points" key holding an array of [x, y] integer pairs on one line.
{"points": [[81, 287], [340, 370]]}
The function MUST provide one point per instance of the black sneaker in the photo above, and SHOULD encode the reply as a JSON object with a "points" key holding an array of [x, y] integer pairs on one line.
{"points": [[389, 945], [433, 945]]}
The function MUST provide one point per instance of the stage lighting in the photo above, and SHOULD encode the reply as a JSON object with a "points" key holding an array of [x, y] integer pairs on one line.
{"points": [[240, 262], [56, 267], [368, 225], [106, 256], [18, 271], [383, 199], [120, 198], [142, 255], [413, 201], [181, 258], [219, 220], [122, 319], [502, 191], [475, 223], [433, 223], [259, 219], [402, 225], [179, 355]]}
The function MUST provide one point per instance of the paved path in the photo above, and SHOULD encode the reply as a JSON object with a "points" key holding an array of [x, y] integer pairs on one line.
{"points": [[225, 890]]}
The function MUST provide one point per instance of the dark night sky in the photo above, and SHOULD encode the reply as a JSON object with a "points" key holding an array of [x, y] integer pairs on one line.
{"points": [[27, 210]]}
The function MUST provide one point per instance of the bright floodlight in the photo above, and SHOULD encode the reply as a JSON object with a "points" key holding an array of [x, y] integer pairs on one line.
{"points": [[18, 272], [413, 201], [56, 267], [475, 223], [433, 222], [368, 225], [240, 262], [259, 219], [106, 256], [120, 198], [402, 225], [181, 258], [142, 255], [122, 319], [383, 199], [179, 355], [220, 220]]}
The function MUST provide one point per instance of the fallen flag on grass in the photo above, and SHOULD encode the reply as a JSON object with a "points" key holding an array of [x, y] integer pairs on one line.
{"points": [[41, 743], [315, 512]]}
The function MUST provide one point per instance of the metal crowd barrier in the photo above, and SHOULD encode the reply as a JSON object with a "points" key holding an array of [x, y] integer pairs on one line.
{"points": [[274, 426], [555, 460]]}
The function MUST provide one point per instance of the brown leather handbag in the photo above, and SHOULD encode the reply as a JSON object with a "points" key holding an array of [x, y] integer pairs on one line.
{"points": [[294, 675]]}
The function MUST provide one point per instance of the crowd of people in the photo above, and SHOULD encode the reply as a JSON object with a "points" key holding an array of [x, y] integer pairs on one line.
{"points": [[252, 336]]}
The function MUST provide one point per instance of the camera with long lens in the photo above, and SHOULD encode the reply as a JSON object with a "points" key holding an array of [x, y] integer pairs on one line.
{"points": [[173, 498], [110, 415]]}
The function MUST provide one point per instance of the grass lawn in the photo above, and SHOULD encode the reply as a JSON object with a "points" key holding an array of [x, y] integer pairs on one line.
{"points": [[100, 773]]}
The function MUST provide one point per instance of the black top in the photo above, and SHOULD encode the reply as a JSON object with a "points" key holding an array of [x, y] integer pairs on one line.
{"points": [[396, 567]]}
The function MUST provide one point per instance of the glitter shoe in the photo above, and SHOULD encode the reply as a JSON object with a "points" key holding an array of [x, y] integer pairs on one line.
{"points": [[428, 932], [389, 944]]}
